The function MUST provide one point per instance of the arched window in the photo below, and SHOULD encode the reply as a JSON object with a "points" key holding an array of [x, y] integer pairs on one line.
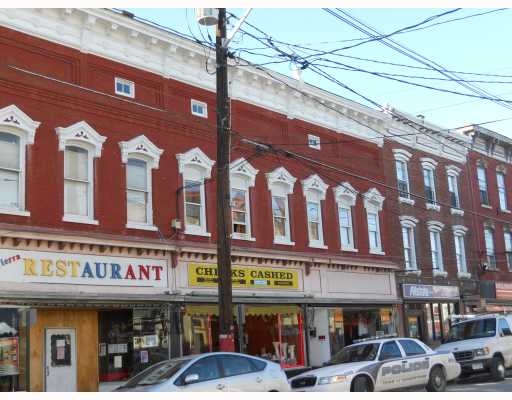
{"points": [[280, 183], [346, 196], [314, 189], [409, 243], [373, 201], [242, 178]]}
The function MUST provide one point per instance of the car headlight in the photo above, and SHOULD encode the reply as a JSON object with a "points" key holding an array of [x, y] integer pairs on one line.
{"points": [[481, 352], [326, 380]]}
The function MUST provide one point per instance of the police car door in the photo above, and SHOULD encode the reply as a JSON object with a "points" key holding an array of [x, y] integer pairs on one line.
{"points": [[390, 372], [417, 363]]}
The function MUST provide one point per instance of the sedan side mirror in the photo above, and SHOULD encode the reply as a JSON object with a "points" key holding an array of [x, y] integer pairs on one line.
{"points": [[191, 378]]}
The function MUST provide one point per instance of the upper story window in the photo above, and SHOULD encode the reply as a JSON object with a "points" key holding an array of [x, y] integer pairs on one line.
{"points": [[436, 252], [17, 130], [196, 167], [141, 156], [314, 142], [81, 144], [429, 166], [199, 108], [453, 172], [507, 235], [459, 232], [314, 189], [124, 87], [402, 157], [346, 196], [489, 247], [280, 183], [409, 243], [242, 177], [373, 202], [482, 185], [502, 190]]}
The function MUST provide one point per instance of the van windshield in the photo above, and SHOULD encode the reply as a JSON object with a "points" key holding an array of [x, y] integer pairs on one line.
{"points": [[479, 328]]}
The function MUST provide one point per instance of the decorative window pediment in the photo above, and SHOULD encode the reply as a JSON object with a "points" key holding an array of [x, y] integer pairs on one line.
{"points": [[373, 200], [13, 117], [316, 184], [280, 176], [195, 158], [428, 163], [452, 170], [408, 221], [459, 229], [435, 226], [345, 194], [241, 168], [141, 146], [402, 155], [81, 133]]}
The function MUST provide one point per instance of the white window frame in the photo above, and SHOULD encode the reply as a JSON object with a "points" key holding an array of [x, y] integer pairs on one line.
{"points": [[490, 248], [408, 225], [280, 183], [314, 189], [502, 191], [459, 233], [314, 142], [345, 196], [200, 104], [429, 165], [453, 172], [243, 174], [124, 81], [435, 228], [82, 135], [373, 202], [402, 156], [195, 165], [482, 184], [15, 122], [507, 237], [142, 148]]}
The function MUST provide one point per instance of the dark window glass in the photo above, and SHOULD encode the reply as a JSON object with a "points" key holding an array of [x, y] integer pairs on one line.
{"points": [[474, 329], [236, 365], [206, 368], [389, 351], [502, 325], [411, 348], [258, 365]]}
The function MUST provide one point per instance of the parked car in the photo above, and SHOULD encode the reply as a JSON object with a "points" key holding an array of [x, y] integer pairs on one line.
{"points": [[379, 365], [210, 372], [482, 344]]}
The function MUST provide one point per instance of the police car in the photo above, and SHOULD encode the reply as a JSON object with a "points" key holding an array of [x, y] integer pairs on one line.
{"points": [[379, 365]]}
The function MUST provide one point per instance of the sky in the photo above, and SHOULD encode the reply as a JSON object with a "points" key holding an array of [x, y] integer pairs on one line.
{"points": [[478, 45]]}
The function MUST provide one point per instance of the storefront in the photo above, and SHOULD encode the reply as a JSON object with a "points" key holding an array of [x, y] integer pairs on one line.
{"points": [[496, 297], [427, 311]]}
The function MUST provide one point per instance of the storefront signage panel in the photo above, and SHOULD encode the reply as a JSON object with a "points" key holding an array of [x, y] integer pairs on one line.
{"points": [[205, 275], [81, 269], [430, 292]]}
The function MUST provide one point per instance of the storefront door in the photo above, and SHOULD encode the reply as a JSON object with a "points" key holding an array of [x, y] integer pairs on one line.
{"points": [[60, 360]]}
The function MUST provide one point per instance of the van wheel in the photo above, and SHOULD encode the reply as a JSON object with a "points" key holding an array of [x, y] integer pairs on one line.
{"points": [[437, 380], [361, 384], [497, 369]]}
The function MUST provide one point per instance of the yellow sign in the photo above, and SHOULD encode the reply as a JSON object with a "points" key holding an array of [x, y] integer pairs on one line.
{"points": [[200, 274]]}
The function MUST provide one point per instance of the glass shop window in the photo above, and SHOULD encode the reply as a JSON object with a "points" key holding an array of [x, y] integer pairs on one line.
{"points": [[13, 349]]}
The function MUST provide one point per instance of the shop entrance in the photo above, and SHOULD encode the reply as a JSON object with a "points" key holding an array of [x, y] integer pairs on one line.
{"points": [[60, 360]]}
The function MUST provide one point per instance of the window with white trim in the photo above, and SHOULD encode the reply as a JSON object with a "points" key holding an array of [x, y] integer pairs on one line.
{"points": [[199, 108], [452, 173], [489, 247], [482, 185], [345, 196], [409, 243], [80, 144], [508, 248], [195, 167], [242, 177], [314, 142], [17, 130], [141, 156], [280, 183], [460, 251], [402, 157], [436, 252], [502, 191], [314, 189], [373, 201], [124, 87], [430, 187]]}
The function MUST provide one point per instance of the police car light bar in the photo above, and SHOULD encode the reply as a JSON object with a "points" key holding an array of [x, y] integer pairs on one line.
{"points": [[390, 335]]}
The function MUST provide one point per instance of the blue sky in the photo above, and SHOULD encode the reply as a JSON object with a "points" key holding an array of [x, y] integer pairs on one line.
{"points": [[478, 45]]}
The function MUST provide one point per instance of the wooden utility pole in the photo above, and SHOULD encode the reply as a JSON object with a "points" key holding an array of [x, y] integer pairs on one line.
{"points": [[226, 330]]}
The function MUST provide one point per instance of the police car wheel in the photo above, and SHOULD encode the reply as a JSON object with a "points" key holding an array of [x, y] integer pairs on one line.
{"points": [[361, 384], [497, 369], [437, 380]]}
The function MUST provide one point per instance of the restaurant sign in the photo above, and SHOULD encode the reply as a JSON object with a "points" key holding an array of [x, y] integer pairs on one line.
{"points": [[430, 291], [205, 275], [81, 269]]}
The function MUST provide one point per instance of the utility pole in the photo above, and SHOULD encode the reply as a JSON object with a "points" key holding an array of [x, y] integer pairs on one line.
{"points": [[226, 329]]}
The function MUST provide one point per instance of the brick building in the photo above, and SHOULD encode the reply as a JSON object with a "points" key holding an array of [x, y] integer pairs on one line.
{"points": [[107, 207]]}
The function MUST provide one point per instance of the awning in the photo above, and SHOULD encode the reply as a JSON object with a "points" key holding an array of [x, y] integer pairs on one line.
{"points": [[272, 310], [204, 309]]}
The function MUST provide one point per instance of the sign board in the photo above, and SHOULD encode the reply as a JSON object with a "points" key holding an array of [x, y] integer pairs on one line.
{"points": [[430, 291], [80, 269], [9, 356], [205, 275]]}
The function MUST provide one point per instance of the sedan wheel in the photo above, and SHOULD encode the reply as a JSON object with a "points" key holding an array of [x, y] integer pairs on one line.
{"points": [[437, 380], [361, 384]]}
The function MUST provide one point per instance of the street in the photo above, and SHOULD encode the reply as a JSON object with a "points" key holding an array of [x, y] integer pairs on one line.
{"points": [[481, 384]]}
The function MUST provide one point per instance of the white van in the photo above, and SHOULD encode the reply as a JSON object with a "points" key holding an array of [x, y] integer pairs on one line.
{"points": [[482, 344]]}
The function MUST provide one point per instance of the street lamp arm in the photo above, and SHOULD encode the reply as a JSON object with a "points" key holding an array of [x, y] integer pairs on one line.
{"points": [[233, 32]]}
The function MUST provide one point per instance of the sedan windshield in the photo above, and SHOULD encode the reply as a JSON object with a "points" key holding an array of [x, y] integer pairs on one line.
{"points": [[356, 353], [155, 374], [475, 329]]}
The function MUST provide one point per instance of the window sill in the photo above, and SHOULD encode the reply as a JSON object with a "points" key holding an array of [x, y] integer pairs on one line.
{"points": [[434, 207], [144, 227], [377, 252], [197, 233], [464, 275], [406, 200], [79, 220], [505, 211], [351, 249], [284, 242], [241, 236], [486, 206], [443, 274], [416, 272], [318, 246], [456, 211], [20, 213]]}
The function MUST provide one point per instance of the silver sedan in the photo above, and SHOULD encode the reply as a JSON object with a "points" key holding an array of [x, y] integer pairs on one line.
{"points": [[210, 372]]}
